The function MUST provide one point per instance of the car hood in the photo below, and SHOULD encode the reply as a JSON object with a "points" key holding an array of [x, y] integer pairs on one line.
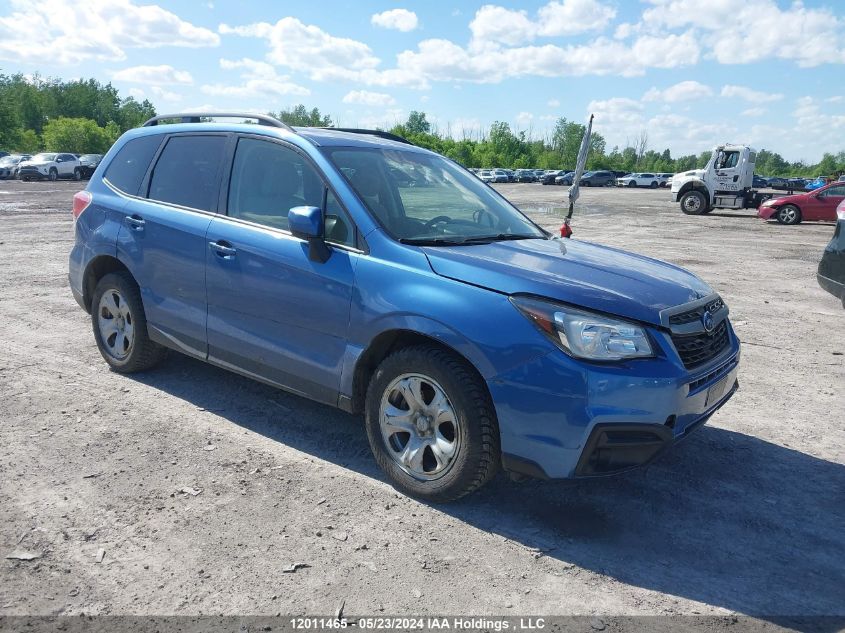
{"points": [[584, 274], [793, 198]]}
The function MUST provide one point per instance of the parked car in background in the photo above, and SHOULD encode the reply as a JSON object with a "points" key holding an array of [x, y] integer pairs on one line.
{"points": [[777, 182], [464, 334], [550, 175], [526, 175], [11, 164], [816, 183], [501, 175], [841, 178], [796, 184], [639, 180], [831, 273], [598, 179], [818, 205], [664, 179], [2, 154], [565, 179], [487, 175], [759, 182], [88, 163], [50, 166]]}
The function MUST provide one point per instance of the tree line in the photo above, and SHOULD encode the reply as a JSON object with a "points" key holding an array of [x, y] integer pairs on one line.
{"points": [[85, 116]]}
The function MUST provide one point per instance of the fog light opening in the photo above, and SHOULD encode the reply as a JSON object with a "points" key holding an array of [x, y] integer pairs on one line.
{"points": [[670, 421]]}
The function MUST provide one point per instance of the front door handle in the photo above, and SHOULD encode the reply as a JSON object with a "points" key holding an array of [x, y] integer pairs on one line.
{"points": [[223, 249], [135, 222]]}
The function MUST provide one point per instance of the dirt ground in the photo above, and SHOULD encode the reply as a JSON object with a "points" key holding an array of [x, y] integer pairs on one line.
{"points": [[745, 517]]}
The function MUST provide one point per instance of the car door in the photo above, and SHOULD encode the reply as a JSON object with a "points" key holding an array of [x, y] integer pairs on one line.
{"points": [[728, 169], [273, 312], [162, 239], [824, 203]]}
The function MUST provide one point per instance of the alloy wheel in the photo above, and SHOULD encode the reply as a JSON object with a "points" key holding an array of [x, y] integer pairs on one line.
{"points": [[116, 324], [419, 426]]}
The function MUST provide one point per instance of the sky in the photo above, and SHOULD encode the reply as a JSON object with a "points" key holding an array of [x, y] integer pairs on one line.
{"points": [[690, 73]]}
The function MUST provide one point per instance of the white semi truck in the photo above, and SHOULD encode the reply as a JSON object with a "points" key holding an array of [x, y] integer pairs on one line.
{"points": [[724, 183]]}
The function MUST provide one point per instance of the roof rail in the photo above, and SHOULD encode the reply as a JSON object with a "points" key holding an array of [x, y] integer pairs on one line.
{"points": [[196, 117], [379, 133]]}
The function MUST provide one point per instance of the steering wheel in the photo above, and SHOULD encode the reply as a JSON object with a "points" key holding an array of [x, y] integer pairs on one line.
{"points": [[437, 220], [479, 214]]}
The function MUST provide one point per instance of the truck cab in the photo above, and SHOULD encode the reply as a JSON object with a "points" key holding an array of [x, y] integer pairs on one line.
{"points": [[726, 182]]}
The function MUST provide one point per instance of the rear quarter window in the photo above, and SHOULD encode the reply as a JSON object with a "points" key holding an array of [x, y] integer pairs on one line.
{"points": [[127, 168]]}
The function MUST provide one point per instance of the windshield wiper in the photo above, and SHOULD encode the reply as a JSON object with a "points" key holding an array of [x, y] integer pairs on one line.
{"points": [[468, 241], [501, 237], [430, 241]]}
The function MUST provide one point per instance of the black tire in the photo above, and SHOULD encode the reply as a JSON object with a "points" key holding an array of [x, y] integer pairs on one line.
{"points": [[77, 174], [632, 183], [54, 175], [25, 178], [143, 353], [654, 184], [789, 214], [478, 454], [694, 203]]}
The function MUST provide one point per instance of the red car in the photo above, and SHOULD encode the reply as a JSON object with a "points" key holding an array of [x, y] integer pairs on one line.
{"points": [[814, 205]]}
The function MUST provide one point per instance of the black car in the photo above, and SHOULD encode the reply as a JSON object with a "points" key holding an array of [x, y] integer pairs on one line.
{"points": [[759, 182], [598, 179], [549, 177], [88, 163], [831, 273], [525, 175]]}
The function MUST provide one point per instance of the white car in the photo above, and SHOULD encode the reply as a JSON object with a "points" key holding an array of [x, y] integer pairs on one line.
{"points": [[664, 179], [51, 166], [639, 180], [487, 175]]}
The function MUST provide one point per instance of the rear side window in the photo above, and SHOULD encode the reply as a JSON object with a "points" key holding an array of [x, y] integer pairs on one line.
{"points": [[127, 168], [188, 172]]}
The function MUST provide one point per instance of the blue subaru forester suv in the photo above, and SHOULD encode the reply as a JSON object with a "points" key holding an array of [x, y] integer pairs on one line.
{"points": [[353, 268]]}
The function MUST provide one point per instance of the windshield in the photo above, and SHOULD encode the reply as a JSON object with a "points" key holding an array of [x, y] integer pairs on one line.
{"points": [[43, 158], [8, 160], [426, 198]]}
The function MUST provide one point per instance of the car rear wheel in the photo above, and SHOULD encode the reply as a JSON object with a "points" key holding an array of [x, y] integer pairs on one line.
{"points": [[120, 325], [54, 175], [694, 203], [77, 174], [789, 214], [431, 425]]}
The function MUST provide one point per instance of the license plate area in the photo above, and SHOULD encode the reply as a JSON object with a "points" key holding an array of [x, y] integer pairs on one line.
{"points": [[718, 391]]}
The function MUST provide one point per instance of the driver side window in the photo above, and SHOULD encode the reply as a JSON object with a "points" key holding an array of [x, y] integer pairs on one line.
{"points": [[837, 191]]}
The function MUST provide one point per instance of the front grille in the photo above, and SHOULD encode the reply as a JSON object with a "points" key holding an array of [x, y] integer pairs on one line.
{"points": [[696, 349], [690, 316]]}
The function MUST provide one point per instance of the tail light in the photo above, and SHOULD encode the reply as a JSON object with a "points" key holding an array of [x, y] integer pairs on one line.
{"points": [[81, 200], [840, 210], [565, 230]]}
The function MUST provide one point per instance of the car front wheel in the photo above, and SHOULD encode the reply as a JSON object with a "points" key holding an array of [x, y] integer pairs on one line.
{"points": [[789, 214], [431, 425], [54, 175]]}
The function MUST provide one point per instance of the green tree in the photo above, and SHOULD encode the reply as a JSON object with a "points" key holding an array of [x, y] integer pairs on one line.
{"points": [[29, 143], [300, 115], [417, 123], [82, 136]]}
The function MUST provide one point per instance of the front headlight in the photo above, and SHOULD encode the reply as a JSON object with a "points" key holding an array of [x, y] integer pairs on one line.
{"points": [[585, 334], [768, 202]]}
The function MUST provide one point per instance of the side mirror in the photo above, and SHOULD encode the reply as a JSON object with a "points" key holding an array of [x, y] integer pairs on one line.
{"points": [[307, 223]]}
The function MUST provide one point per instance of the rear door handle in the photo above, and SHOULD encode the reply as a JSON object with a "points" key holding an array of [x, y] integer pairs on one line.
{"points": [[135, 221], [223, 249]]}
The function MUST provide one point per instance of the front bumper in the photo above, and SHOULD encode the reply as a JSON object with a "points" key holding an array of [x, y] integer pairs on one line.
{"points": [[766, 213], [562, 418]]}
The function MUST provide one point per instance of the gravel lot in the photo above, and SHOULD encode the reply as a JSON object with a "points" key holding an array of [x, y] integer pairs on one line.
{"points": [[747, 516]]}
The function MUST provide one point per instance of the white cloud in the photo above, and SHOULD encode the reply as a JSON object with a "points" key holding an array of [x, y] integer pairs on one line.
{"points": [[398, 19], [835, 99], [165, 95], [569, 17], [683, 91], [259, 79], [494, 25], [136, 93], [753, 112], [524, 119], [161, 75], [753, 30], [747, 94], [364, 97], [59, 32], [553, 103], [323, 57]]}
